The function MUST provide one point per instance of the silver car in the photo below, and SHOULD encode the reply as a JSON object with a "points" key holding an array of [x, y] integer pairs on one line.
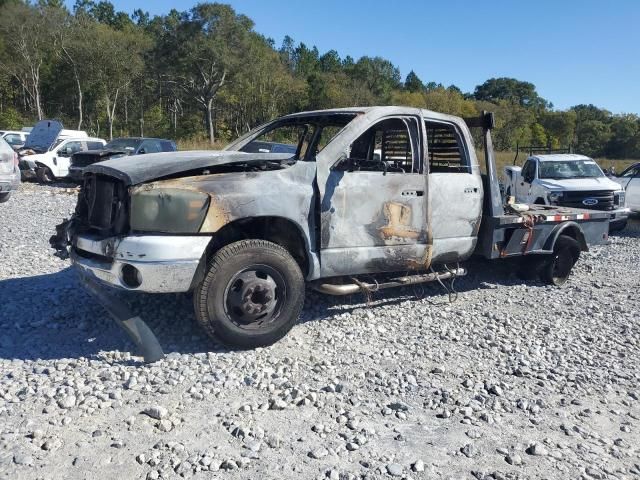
{"points": [[9, 171]]}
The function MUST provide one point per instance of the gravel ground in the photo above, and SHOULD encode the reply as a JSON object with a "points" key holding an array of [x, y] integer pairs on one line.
{"points": [[514, 380]]}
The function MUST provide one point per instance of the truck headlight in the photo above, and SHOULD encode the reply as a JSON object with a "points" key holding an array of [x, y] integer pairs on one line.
{"points": [[554, 197], [618, 198], [170, 210]]}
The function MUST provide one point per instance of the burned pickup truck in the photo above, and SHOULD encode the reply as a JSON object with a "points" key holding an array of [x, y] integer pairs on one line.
{"points": [[368, 198]]}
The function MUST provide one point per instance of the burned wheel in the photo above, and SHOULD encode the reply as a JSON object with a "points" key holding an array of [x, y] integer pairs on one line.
{"points": [[557, 267], [252, 294]]}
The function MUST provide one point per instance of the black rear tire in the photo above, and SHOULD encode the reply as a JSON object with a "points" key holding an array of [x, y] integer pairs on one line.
{"points": [[252, 294], [617, 226], [45, 175], [557, 267], [4, 197]]}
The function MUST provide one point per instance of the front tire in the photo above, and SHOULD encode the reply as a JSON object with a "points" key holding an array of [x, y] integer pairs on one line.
{"points": [[45, 175], [4, 197], [556, 269], [252, 294]]}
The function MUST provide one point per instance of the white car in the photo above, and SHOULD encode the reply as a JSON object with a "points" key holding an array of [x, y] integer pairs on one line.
{"points": [[567, 180], [54, 163], [16, 139], [630, 181]]}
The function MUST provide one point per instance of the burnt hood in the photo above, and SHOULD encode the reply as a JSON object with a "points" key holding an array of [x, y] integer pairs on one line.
{"points": [[136, 169]]}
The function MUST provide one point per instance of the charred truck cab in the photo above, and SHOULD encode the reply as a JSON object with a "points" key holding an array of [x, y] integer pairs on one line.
{"points": [[393, 193]]}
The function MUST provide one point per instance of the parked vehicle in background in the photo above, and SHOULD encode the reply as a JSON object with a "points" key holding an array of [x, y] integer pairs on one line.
{"points": [[629, 179], [9, 170], [246, 231], [567, 180], [118, 147], [54, 164], [38, 157], [16, 139]]}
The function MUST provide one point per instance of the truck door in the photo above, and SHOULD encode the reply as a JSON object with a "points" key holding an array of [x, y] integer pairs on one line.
{"points": [[631, 184], [62, 156], [524, 183], [373, 202], [455, 191]]}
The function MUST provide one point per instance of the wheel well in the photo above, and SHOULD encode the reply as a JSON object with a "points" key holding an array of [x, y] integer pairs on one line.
{"points": [[574, 232], [539, 201], [273, 229]]}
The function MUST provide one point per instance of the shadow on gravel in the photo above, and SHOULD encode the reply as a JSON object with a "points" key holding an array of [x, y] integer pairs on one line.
{"points": [[52, 317]]}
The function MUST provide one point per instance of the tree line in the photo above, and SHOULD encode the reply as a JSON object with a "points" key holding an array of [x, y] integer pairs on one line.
{"points": [[206, 73]]}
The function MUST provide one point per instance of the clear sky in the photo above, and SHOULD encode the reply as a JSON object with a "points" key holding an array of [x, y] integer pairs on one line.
{"points": [[573, 51]]}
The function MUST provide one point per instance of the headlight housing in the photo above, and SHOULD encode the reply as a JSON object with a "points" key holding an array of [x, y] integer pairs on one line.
{"points": [[554, 197], [170, 210], [618, 198]]}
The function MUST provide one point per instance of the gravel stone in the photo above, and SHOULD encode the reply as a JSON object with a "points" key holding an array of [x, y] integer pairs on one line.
{"points": [[531, 381], [537, 450], [319, 453], [156, 412], [394, 469], [23, 459]]}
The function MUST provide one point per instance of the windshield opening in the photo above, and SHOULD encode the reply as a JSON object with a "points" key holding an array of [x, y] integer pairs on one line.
{"points": [[56, 143], [570, 169], [302, 137], [123, 144]]}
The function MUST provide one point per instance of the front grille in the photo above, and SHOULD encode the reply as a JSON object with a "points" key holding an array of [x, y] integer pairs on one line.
{"points": [[595, 200], [84, 160], [104, 204]]}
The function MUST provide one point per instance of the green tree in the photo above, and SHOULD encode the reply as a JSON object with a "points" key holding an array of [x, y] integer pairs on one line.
{"points": [[413, 83], [202, 53], [625, 136], [119, 54], [379, 75], [592, 131], [510, 89], [330, 62], [28, 47]]}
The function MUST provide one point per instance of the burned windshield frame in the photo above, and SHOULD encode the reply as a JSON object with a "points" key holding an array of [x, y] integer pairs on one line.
{"points": [[591, 169], [314, 127]]}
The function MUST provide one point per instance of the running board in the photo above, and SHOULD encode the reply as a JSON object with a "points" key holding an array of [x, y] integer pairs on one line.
{"points": [[351, 288]]}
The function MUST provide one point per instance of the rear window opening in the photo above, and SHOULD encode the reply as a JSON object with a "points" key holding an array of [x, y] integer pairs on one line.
{"points": [[444, 149]]}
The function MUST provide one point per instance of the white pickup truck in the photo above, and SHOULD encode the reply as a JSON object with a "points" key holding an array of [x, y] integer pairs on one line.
{"points": [[567, 180], [47, 152]]}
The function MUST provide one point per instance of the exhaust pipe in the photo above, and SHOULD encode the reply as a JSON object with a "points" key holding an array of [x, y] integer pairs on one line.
{"points": [[351, 288]]}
